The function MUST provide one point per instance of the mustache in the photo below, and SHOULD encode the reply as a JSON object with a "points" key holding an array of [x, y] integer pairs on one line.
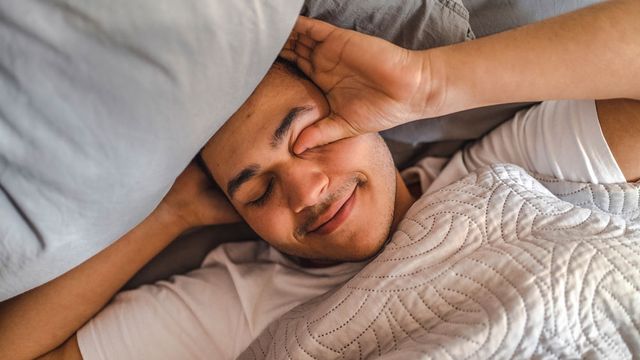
{"points": [[312, 214]]}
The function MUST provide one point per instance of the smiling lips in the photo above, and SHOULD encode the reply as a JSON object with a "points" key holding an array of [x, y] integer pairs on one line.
{"points": [[335, 216]]}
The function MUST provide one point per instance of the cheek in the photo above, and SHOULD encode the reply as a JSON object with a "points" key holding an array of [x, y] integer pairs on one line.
{"points": [[273, 224], [350, 154], [367, 154]]}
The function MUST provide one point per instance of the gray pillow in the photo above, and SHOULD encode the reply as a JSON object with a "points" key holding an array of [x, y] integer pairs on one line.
{"points": [[102, 104], [413, 24]]}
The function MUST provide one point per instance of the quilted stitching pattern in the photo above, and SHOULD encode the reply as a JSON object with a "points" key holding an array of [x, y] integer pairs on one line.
{"points": [[493, 266]]}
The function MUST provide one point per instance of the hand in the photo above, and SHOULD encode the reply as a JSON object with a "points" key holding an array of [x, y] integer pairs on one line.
{"points": [[45, 319], [194, 201], [370, 84]]}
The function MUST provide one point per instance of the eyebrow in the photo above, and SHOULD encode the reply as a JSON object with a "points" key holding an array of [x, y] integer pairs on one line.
{"points": [[285, 124], [243, 176]]}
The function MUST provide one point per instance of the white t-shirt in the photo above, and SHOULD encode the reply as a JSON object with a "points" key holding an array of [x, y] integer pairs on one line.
{"points": [[214, 312], [210, 313], [562, 139]]}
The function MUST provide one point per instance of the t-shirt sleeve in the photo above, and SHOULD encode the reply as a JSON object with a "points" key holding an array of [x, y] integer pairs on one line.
{"points": [[561, 138], [197, 316]]}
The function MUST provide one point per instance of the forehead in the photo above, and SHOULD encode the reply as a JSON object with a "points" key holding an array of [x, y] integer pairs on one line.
{"points": [[246, 137]]}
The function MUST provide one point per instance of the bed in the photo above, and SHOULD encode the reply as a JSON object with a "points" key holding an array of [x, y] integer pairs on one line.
{"points": [[81, 163]]}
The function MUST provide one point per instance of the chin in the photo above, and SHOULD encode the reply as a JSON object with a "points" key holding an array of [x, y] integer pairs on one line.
{"points": [[354, 248], [361, 247]]}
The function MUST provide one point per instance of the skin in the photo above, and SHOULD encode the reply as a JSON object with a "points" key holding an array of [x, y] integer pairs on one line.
{"points": [[620, 124], [593, 54], [305, 184]]}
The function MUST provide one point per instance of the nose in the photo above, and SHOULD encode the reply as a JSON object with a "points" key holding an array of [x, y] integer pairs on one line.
{"points": [[305, 184]]}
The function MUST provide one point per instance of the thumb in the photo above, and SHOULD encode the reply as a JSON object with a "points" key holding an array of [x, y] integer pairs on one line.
{"points": [[323, 132]]}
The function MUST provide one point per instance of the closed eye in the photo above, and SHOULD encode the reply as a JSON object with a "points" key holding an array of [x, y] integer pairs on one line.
{"points": [[264, 197]]}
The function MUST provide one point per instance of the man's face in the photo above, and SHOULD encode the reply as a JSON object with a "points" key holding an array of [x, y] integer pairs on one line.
{"points": [[334, 202]]}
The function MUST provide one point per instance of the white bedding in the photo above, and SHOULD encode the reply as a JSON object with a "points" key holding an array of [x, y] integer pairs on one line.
{"points": [[494, 265]]}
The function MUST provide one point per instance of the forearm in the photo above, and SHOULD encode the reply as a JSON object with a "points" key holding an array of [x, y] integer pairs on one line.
{"points": [[43, 318], [589, 54]]}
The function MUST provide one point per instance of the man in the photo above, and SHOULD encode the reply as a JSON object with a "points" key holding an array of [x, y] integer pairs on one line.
{"points": [[286, 167]]}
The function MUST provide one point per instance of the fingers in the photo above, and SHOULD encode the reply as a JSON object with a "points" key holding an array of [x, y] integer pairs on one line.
{"points": [[300, 54], [306, 35], [303, 51], [313, 29], [301, 41], [297, 39], [300, 45], [306, 41], [302, 63], [321, 133]]}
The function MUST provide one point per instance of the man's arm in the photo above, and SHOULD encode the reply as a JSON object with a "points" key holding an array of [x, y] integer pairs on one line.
{"points": [[67, 351], [373, 85], [588, 54], [620, 124], [45, 319]]}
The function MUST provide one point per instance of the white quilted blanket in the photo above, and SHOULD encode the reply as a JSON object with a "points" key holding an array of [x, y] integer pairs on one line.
{"points": [[493, 266]]}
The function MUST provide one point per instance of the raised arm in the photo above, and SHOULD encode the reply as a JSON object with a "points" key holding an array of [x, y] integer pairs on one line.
{"points": [[593, 53], [373, 85], [44, 320]]}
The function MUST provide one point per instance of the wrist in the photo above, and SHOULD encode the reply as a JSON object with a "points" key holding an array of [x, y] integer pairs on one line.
{"points": [[432, 94], [171, 219]]}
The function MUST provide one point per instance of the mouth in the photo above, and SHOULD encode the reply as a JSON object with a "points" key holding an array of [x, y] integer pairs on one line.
{"points": [[335, 216]]}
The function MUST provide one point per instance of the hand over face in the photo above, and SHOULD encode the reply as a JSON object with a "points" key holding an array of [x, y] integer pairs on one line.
{"points": [[370, 84], [195, 201]]}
